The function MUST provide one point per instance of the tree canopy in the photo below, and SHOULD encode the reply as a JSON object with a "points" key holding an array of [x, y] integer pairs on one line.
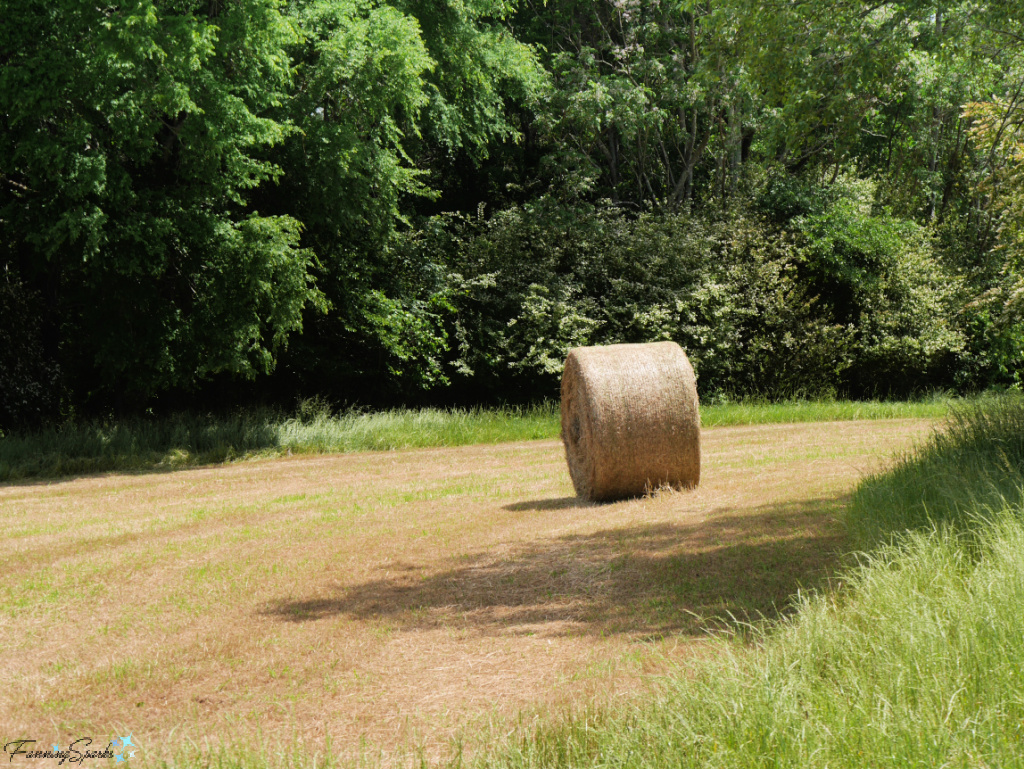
{"points": [[404, 199]]}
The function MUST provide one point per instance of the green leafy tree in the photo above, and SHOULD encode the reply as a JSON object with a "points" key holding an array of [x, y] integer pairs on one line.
{"points": [[820, 69], [648, 105], [387, 94], [30, 382], [878, 275], [131, 145], [998, 312]]}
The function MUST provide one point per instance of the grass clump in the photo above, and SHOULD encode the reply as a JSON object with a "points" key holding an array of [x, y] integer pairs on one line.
{"points": [[974, 465], [761, 412], [187, 440]]}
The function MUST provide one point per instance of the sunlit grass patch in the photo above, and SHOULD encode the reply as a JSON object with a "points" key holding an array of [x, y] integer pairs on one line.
{"points": [[760, 412]]}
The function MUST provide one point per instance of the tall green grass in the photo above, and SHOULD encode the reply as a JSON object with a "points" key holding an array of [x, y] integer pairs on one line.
{"points": [[760, 412], [974, 464], [194, 439]]}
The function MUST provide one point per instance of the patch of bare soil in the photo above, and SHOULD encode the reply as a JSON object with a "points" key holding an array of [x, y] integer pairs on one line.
{"points": [[396, 598]]}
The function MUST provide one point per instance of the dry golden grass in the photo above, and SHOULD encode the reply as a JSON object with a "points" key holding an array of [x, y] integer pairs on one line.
{"points": [[399, 596]]}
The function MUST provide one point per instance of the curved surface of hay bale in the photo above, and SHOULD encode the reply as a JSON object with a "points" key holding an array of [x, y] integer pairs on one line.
{"points": [[630, 419]]}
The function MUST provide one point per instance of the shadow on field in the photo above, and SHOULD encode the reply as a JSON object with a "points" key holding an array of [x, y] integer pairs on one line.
{"points": [[559, 503], [685, 578]]}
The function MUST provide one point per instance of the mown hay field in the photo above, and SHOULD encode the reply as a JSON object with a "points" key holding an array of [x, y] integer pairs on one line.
{"points": [[387, 600]]}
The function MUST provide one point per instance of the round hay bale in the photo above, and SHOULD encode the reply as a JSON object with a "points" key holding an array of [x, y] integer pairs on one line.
{"points": [[630, 419]]}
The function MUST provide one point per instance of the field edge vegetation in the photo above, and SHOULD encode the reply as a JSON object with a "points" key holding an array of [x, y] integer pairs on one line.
{"points": [[193, 439]]}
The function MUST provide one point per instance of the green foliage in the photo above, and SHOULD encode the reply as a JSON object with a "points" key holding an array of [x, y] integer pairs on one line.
{"points": [[917, 141], [360, 90], [130, 148], [879, 277], [784, 196], [175, 176], [811, 197], [385, 93], [647, 103], [999, 131], [822, 69], [820, 307]]}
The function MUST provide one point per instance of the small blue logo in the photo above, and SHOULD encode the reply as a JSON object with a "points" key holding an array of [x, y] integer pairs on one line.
{"points": [[121, 745]]}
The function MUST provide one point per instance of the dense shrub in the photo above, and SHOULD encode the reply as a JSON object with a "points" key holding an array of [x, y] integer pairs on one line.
{"points": [[877, 275], [835, 301]]}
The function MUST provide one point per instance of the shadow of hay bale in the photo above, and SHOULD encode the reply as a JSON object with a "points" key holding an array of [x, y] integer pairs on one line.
{"points": [[657, 579]]}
